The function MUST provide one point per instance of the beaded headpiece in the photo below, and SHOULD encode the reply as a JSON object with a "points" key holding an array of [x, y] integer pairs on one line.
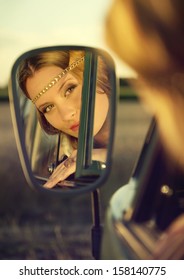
{"points": [[57, 78]]}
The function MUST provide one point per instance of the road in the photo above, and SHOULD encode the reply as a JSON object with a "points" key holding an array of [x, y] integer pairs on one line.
{"points": [[37, 226]]}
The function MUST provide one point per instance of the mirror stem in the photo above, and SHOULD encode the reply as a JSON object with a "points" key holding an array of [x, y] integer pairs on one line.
{"points": [[96, 231]]}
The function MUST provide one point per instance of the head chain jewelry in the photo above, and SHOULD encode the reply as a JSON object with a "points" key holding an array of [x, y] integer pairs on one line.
{"points": [[57, 78]]}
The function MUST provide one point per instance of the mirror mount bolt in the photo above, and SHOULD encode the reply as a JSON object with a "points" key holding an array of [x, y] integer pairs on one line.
{"points": [[51, 168]]}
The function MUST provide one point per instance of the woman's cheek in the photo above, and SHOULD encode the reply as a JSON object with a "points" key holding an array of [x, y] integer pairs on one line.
{"points": [[53, 120], [101, 111]]}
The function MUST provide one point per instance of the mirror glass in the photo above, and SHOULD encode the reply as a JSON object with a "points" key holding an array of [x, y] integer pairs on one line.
{"points": [[49, 87]]}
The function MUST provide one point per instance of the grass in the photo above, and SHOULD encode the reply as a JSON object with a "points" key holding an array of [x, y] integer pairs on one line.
{"points": [[4, 93]]}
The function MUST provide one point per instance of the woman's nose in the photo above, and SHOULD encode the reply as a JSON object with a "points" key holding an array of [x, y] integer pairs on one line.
{"points": [[67, 113]]}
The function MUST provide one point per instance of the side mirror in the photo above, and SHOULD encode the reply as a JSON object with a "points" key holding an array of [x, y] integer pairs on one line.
{"points": [[62, 101]]}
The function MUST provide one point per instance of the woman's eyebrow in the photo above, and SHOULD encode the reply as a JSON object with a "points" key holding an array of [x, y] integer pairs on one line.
{"points": [[62, 85]]}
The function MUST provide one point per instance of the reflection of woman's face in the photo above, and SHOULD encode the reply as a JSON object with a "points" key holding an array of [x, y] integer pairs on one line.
{"points": [[61, 104]]}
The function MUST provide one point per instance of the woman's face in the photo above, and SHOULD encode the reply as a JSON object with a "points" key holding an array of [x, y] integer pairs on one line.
{"points": [[143, 51], [61, 104]]}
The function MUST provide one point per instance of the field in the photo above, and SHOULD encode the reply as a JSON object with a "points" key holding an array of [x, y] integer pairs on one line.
{"points": [[37, 226]]}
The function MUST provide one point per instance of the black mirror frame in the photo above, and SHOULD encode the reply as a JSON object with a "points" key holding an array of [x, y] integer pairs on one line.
{"points": [[18, 130]]}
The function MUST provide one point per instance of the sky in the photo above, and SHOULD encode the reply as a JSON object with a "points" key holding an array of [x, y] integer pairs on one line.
{"points": [[29, 24]]}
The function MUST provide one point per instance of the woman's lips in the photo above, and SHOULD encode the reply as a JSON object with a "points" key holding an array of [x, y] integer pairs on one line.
{"points": [[75, 127]]}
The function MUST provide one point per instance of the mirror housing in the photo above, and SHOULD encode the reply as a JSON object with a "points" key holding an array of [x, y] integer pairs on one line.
{"points": [[90, 174]]}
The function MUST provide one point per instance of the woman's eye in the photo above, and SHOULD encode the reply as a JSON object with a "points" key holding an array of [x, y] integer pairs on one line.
{"points": [[69, 90], [48, 108]]}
